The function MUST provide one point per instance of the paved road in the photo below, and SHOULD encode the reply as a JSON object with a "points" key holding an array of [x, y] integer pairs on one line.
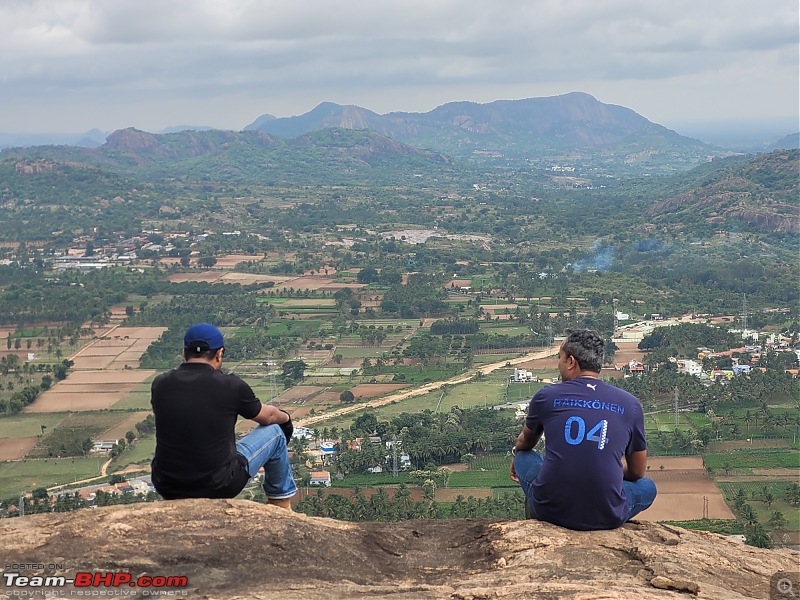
{"points": [[429, 387]]}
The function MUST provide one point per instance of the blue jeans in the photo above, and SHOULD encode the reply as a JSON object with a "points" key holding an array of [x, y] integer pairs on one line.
{"points": [[265, 446], [528, 463]]}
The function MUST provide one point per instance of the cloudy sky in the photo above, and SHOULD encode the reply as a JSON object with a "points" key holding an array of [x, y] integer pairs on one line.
{"points": [[73, 65]]}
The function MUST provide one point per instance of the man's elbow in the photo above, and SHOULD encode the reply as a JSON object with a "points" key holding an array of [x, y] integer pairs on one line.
{"points": [[634, 475], [635, 466]]}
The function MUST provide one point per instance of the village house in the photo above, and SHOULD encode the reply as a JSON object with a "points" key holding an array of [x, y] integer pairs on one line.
{"points": [[320, 479], [104, 445]]}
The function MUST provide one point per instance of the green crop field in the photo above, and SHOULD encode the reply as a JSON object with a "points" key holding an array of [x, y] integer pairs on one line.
{"points": [[371, 479], [66, 438], [138, 398], [754, 496], [666, 422], [498, 478], [697, 420], [522, 392], [26, 475], [28, 425], [141, 453], [360, 352], [757, 458], [509, 330]]}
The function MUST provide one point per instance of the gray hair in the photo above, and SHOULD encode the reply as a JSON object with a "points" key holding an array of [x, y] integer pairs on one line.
{"points": [[587, 346]]}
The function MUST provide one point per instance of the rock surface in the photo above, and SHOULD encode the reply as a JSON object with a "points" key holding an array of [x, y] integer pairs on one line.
{"points": [[236, 549]]}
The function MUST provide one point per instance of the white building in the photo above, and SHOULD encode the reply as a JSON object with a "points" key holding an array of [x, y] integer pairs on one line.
{"points": [[320, 479], [690, 367], [523, 376], [303, 432]]}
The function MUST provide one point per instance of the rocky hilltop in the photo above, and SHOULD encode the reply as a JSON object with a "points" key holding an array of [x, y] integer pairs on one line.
{"points": [[235, 549], [760, 191]]}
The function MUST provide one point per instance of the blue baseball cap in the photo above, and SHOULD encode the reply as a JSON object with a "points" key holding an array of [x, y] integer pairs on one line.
{"points": [[203, 336]]}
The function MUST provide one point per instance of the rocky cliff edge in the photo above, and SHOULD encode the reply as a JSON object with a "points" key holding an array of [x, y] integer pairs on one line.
{"points": [[236, 549]]}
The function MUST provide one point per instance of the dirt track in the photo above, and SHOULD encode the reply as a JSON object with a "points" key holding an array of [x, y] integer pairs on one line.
{"points": [[486, 369]]}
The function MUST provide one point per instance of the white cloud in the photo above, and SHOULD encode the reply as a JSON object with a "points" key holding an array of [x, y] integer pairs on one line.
{"points": [[75, 64]]}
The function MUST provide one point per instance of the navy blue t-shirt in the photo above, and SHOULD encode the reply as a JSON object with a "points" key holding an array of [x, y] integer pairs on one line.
{"points": [[589, 425]]}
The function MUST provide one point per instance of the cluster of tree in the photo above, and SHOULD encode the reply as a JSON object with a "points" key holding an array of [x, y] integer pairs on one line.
{"points": [[52, 300], [381, 506], [384, 276], [219, 306], [656, 389], [685, 338], [755, 534], [423, 295], [435, 438], [25, 396], [455, 326], [146, 427]]}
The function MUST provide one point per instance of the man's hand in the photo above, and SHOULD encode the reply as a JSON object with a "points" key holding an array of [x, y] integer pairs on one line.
{"points": [[271, 415], [635, 466], [513, 470], [286, 427]]}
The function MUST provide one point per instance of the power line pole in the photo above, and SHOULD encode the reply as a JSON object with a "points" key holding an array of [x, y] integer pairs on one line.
{"points": [[676, 407], [273, 387], [394, 456], [744, 312]]}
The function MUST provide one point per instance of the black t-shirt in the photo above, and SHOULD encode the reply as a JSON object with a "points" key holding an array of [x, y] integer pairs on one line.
{"points": [[196, 408]]}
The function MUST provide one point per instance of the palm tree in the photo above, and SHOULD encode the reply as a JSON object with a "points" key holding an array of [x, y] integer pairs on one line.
{"points": [[777, 520], [748, 418], [749, 515]]}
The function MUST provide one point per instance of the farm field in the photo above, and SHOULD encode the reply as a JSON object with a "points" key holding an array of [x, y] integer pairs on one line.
{"points": [[141, 453], [120, 348], [666, 421], [69, 437], [137, 398], [756, 458], [683, 485], [28, 425], [16, 448], [120, 429], [20, 433], [89, 390], [26, 475], [754, 492]]}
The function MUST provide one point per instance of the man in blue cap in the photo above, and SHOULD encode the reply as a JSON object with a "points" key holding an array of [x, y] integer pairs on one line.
{"points": [[196, 407]]}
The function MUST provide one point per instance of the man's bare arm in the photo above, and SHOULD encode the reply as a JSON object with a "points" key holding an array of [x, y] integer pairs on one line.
{"points": [[269, 415], [635, 465], [526, 440]]}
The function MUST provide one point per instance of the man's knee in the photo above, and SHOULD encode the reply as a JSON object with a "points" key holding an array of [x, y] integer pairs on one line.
{"points": [[646, 490], [650, 488]]}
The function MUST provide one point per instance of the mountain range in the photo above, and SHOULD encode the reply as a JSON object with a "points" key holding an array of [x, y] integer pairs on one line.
{"points": [[570, 128], [574, 128], [539, 133], [574, 134]]}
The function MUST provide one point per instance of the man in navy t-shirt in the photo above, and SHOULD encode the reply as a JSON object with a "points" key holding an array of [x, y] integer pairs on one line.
{"points": [[589, 426]]}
